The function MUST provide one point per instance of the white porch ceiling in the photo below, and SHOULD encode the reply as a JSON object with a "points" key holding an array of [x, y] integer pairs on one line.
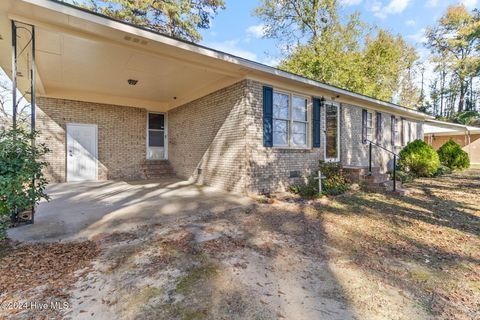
{"points": [[75, 64], [69, 63]]}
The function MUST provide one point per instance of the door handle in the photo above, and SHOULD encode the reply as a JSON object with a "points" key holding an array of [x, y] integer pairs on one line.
{"points": [[70, 153]]}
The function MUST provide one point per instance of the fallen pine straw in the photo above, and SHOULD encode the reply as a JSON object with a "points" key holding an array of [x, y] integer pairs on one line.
{"points": [[42, 272]]}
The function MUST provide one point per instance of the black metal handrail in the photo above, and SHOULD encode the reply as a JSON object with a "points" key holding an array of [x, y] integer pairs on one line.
{"points": [[370, 144]]}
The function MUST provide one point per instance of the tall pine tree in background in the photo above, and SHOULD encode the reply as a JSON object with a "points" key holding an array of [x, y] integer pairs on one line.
{"points": [[178, 18], [455, 46]]}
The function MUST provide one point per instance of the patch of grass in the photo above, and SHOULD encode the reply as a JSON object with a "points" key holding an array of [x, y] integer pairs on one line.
{"points": [[186, 282], [418, 275], [140, 299], [184, 313], [263, 199]]}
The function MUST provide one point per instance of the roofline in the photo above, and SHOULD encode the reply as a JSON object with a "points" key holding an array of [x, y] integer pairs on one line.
{"points": [[451, 124], [453, 133], [81, 13]]}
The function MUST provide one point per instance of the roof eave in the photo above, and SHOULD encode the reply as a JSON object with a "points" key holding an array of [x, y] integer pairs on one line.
{"points": [[212, 53]]}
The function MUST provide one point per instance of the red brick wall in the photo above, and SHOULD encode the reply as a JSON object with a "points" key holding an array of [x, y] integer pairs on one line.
{"points": [[472, 148], [121, 136]]}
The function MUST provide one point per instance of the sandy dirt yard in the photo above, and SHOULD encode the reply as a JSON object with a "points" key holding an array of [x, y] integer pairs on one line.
{"points": [[356, 256]]}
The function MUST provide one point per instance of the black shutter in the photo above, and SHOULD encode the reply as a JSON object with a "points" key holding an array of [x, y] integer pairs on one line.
{"points": [[379, 127], [316, 122], [267, 117], [393, 129], [364, 126]]}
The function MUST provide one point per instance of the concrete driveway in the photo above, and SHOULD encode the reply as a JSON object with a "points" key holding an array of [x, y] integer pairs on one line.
{"points": [[82, 210]]}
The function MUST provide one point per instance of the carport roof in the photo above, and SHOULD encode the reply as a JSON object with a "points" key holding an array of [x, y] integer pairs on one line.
{"points": [[448, 128], [89, 56]]}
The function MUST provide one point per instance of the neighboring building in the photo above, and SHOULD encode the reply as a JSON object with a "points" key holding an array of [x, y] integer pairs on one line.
{"points": [[115, 101], [468, 137]]}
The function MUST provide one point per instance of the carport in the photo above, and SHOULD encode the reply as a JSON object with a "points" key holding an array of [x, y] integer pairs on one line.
{"points": [[84, 210]]}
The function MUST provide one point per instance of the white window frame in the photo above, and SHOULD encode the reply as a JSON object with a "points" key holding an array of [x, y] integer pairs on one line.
{"points": [[370, 126], [290, 120]]}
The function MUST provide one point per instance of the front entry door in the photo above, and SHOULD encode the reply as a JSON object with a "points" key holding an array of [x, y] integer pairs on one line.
{"points": [[332, 142], [81, 152]]}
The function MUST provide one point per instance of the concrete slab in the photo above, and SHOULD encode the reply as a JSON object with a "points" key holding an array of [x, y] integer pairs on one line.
{"points": [[82, 210]]}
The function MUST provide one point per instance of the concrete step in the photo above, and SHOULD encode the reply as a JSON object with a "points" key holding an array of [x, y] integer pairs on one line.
{"points": [[157, 169], [389, 185], [356, 174], [164, 171], [382, 187], [160, 176], [376, 177], [401, 192], [157, 162], [361, 169]]}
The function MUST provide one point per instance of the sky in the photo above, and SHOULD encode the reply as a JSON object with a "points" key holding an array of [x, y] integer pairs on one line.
{"points": [[235, 30]]}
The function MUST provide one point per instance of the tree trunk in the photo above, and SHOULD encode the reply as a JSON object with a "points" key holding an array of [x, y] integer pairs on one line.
{"points": [[461, 101], [442, 89]]}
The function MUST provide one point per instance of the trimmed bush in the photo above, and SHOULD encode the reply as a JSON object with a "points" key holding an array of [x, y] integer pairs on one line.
{"points": [[443, 170], [452, 156], [419, 159], [308, 190], [335, 182], [404, 177]]}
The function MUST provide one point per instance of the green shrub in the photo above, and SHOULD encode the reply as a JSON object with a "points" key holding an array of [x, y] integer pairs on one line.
{"points": [[404, 177], [308, 190], [442, 170], [452, 156], [334, 182], [19, 166], [419, 159]]}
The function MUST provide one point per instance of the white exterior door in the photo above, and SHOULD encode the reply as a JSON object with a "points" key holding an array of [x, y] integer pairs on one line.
{"points": [[81, 152]]}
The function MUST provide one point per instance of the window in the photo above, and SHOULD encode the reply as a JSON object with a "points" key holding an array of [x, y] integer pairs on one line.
{"points": [[290, 120], [379, 127], [370, 127], [397, 137], [392, 129]]}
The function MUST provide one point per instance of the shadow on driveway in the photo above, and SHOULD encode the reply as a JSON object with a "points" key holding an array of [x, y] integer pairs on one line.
{"points": [[82, 210]]}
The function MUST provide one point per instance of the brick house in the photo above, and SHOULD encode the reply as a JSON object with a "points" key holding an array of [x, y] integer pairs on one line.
{"points": [[437, 133], [114, 101]]}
